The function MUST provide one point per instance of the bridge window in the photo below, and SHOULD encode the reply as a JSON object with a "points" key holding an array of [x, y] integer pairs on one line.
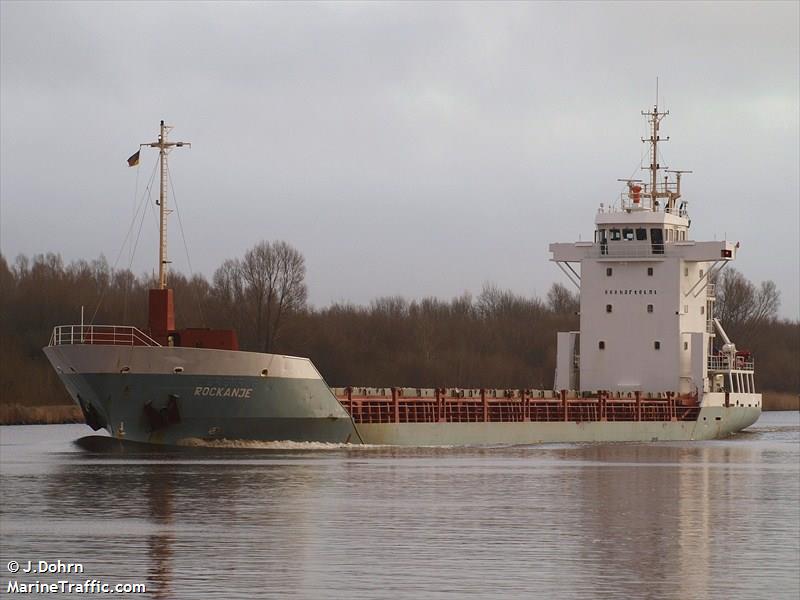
{"points": [[641, 234], [657, 240], [615, 235], [627, 235]]}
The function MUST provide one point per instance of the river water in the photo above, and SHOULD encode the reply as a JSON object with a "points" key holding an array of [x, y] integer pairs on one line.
{"points": [[716, 519]]}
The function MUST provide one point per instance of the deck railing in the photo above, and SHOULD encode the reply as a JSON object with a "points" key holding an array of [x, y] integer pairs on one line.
{"points": [[389, 405], [103, 335], [630, 249], [723, 362]]}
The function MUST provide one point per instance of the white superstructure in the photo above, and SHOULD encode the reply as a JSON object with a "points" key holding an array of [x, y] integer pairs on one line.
{"points": [[647, 300]]}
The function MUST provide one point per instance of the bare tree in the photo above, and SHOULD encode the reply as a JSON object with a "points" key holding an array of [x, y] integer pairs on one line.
{"points": [[562, 301], [273, 277], [290, 289], [742, 307]]}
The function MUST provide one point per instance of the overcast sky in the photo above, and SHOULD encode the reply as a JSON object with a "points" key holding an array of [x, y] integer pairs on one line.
{"points": [[412, 149]]}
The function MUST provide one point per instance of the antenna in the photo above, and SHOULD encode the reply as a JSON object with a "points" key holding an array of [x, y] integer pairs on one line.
{"points": [[654, 118], [656, 90], [164, 147], [677, 193]]}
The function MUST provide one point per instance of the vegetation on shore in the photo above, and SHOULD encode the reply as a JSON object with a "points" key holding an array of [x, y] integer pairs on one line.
{"points": [[20, 414], [497, 339]]}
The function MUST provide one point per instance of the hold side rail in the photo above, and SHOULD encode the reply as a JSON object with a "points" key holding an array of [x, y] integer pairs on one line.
{"points": [[100, 335]]}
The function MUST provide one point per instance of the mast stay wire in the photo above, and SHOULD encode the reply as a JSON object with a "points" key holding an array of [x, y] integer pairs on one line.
{"points": [[185, 247], [145, 195], [135, 245]]}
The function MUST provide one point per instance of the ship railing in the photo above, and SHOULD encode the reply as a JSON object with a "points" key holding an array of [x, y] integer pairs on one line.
{"points": [[446, 405], [103, 335], [724, 362], [626, 204], [629, 249]]}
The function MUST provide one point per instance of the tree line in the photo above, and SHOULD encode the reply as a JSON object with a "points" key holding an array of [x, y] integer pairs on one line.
{"points": [[495, 339]]}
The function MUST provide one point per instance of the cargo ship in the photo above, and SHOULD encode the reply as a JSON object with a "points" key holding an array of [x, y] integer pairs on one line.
{"points": [[650, 362]]}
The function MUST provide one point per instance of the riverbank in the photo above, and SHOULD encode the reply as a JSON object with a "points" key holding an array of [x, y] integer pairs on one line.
{"points": [[781, 401], [19, 414]]}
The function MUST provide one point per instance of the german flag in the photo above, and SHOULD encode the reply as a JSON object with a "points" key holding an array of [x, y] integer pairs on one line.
{"points": [[134, 159]]}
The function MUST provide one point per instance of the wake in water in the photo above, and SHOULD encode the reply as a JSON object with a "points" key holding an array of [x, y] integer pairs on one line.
{"points": [[271, 445]]}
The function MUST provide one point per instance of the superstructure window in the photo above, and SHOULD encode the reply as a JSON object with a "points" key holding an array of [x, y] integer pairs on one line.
{"points": [[601, 345], [641, 234], [657, 345], [615, 235], [609, 271], [650, 271], [685, 345], [627, 235], [609, 308], [657, 240], [649, 308], [702, 310]]}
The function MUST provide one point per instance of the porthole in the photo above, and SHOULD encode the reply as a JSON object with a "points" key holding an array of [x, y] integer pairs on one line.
{"points": [[177, 370], [125, 369], [264, 372]]}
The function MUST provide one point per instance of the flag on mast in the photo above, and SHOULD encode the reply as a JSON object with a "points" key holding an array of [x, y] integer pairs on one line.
{"points": [[134, 159]]}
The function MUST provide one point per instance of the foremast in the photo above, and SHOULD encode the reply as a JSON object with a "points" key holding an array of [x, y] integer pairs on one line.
{"points": [[164, 147]]}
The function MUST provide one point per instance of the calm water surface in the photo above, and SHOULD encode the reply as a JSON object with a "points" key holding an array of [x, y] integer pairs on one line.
{"points": [[669, 520]]}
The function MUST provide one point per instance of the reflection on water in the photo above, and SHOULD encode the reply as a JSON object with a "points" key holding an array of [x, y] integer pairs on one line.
{"points": [[695, 520]]}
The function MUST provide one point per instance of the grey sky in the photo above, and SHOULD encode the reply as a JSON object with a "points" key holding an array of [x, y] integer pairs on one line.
{"points": [[413, 149]]}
